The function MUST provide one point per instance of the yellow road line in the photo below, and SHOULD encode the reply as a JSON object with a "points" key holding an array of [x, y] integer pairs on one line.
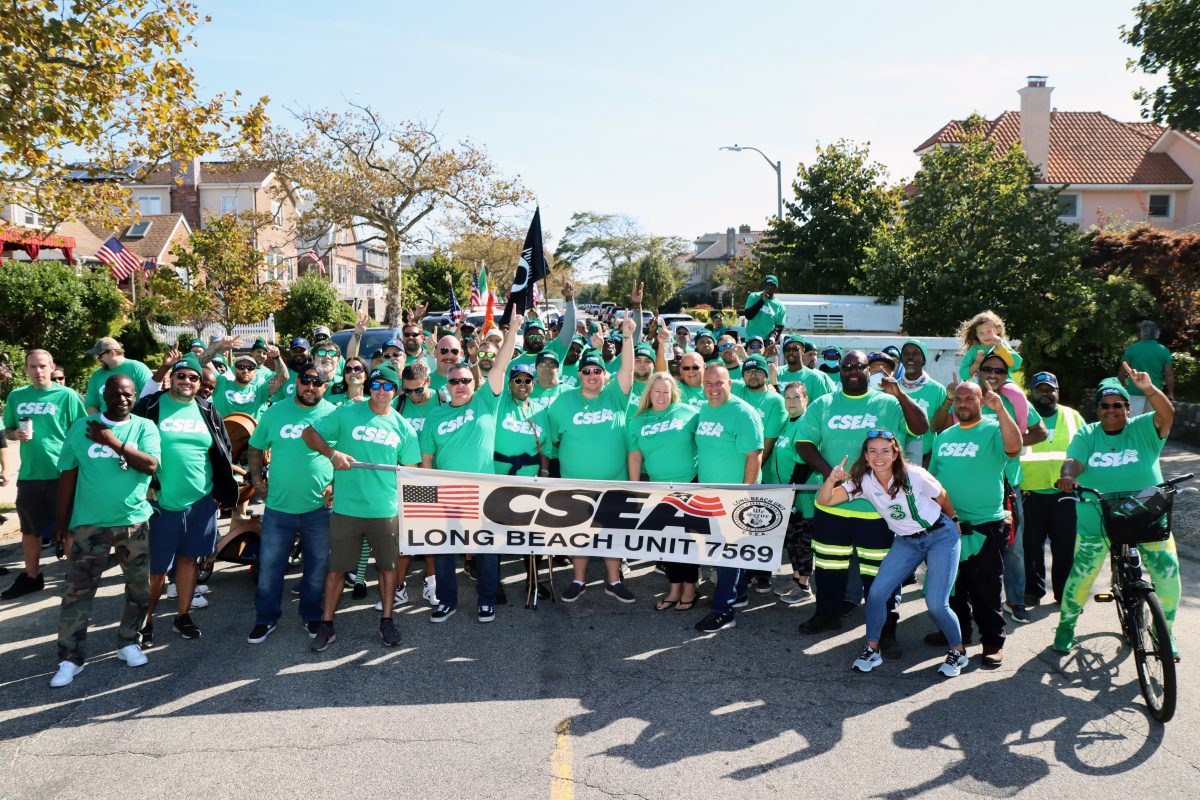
{"points": [[562, 779]]}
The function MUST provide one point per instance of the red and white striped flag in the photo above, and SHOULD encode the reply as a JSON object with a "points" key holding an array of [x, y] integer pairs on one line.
{"points": [[316, 259], [121, 261]]}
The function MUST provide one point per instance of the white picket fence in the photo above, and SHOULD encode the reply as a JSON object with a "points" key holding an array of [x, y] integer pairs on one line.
{"points": [[170, 334]]}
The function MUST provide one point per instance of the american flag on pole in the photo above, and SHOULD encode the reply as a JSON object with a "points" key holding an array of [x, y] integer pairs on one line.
{"points": [[315, 257], [441, 502], [149, 265], [121, 261], [455, 310], [479, 288]]}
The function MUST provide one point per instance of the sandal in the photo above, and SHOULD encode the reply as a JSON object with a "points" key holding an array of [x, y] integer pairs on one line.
{"points": [[687, 605], [665, 605]]}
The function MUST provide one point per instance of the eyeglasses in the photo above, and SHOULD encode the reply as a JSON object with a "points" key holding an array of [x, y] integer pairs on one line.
{"points": [[310, 380], [522, 381], [393, 355], [417, 391], [453, 351], [327, 352], [725, 346], [690, 369], [591, 371], [459, 381], [383, 386], [1108, 406], [357, 368], [190, 377], [891, 437], [245, 367], [994, 370]]}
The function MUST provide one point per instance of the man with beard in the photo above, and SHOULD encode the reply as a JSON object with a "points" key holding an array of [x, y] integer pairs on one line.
{"points": [[831, 430], [731, 356], [816, 384], [299, 356], [925, 392], [643, 368], [1045, 517], [243, 392], [706, 346], [448, 353], [568, 374], [810, 354], [297, 504], [764, 314], [111, 355], [547, 387]]}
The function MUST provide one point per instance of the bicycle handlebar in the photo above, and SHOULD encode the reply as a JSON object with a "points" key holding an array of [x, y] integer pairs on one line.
{"points": [[1077, 495]]}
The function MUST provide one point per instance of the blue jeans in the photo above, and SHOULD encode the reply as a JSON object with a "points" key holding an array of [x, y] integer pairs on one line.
{"points": [[279, 531], [487, 568], [1014, 557], [939, 549], [731, 583]]}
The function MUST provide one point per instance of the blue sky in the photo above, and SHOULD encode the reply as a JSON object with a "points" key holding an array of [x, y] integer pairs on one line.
{"points": [[622, 106]]}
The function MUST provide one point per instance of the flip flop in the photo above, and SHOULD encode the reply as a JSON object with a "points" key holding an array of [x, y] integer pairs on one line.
{"points": [[665, 605], [686, 605]]}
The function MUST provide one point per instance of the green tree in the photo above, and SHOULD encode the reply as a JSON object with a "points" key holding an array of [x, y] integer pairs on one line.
{"points": [[428, 281], [744, 274], [604, 243], [312, 301], [840, 200], [225, 278], [104, 78], [48, 305], [1168, 33]]}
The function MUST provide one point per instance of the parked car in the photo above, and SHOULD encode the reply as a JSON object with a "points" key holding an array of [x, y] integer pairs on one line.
{"points": [[372, 339]]}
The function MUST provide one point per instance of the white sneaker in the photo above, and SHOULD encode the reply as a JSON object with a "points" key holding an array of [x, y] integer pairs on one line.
{"points": [[399, 599], [429, 592], [199, 601], [202, 589], [67, 670], [868, 660], [954, 663], [132, 655], [172, 591]]}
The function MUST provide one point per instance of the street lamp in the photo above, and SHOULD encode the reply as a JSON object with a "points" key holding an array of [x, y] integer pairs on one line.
{"points": [[775, 165]]}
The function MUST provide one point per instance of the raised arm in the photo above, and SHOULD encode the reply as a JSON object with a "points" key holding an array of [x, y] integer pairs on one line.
{"points": [[1008, 426], [1164, 409], [625, 374], [281, 371], [499, 374], [219, 346], [567, 330]]}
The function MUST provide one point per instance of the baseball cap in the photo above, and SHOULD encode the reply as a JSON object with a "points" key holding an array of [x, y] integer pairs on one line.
{"points": [[385, 372], [1111, 386], [302, 343], [244, 357], [187, 362], [220, 359], [1044, 377], [259, 344], [753, 339], [493, 333], [592, 360], [579, 340], [644, 350], [771, 279], [874, 356], [831, 352], [392, 343], [548, 355], [321, 334], [755, 362], [705, 332], [104, 345], [534, 324], [520, 369]]}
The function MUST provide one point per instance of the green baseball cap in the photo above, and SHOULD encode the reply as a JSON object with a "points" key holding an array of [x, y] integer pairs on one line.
{"points": [[188, 362], [771, 279], [196, 343], [755, 362], [385, 372], [1110, 386]]}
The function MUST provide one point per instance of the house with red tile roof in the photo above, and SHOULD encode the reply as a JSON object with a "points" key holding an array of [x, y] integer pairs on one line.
{"points": [[1112, 172]]}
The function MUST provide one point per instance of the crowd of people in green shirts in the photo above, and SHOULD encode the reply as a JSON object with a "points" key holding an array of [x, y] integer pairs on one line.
{"points": [[140, 465]]}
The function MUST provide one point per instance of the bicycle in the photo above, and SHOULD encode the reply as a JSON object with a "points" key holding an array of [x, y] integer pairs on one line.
{"points": [[1128, 519]]}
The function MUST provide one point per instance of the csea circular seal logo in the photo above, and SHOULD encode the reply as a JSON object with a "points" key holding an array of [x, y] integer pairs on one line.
{"points": [[757, 515]]}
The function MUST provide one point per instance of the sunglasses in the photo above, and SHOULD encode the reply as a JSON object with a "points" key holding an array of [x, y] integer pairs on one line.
{"points": [[1108, 406], [393, 355], [190, 377], [859, 367], [453, 351], [310, 380], [591, 371], [755, 346], [245, 367], [486, 356], [994, 370], [357, 368], [384, 386], [327, 352], [459, 381], [690, 369], [417, 391], [412, 334], [891, 437], [522, 381], [794, 348], [58, 379], [724, 347]]}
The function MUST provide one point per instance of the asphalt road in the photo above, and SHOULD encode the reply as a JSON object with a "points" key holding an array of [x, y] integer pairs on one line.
{"points": [[591, 700]]}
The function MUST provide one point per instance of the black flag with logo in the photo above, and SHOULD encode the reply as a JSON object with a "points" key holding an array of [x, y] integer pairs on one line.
{"points": [[530, 270]]}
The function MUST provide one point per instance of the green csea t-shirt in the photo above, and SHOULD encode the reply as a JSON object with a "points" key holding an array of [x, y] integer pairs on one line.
{"points": [[185, 474], [520, 430], [1149, 356], [816, 383], [1126, 461], [769, 406], [724, 435], [771, 314], [136, 370], [287, 391], [299, 475], [928, 397], [782, 465], [53, 411], [1013, 471], [837, 425], [970, 462], [416, 414], [230, 397], [105, 494], [387, 439], [667, 441], [546, 397], [437, 381], [692, 395], [462, 438], [590, 433]]}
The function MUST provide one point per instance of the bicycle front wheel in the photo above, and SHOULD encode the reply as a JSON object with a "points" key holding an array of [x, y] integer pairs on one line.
{"points": [[1153, 655]]}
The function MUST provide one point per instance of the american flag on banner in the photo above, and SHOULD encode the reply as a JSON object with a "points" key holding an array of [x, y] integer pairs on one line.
{"points": [[455, 311], [315, 257], [121, 261], [441, 502], [696, 504]]}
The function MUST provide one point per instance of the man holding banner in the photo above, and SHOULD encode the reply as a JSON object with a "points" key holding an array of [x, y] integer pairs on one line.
{"points": [[459, 437]]}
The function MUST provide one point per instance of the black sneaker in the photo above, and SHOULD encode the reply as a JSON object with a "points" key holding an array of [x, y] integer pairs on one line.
{"points": [[762, 584], [442, 613], [325, 637], [349, 579], [572, 592], [821, 621], [260, 632], [23, 585], [1019, 614], [311, 628], [486, 614], [388, 632], [619, 591], [470, 571], [147, 633], [742, 600], [184, 626], [716, 622], [501, 597], [360, 591]]}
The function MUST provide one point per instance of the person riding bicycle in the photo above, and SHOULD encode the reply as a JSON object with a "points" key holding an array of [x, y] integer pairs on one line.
{"points": [[1117, 454]]}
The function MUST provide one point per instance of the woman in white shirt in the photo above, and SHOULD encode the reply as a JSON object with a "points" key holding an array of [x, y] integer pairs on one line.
{"points": [[918, 511]]}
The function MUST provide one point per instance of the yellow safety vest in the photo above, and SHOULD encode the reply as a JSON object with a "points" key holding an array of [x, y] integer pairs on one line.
{"points": [[1042, 462]]}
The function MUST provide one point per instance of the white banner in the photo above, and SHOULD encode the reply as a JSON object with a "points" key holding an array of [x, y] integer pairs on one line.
{"points": [[458, 512]]}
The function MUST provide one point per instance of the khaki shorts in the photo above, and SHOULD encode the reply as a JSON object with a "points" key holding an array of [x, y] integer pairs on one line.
{"points": [[346, 535]]}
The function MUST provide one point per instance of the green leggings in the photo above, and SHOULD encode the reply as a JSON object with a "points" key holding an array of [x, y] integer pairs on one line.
{"points": [[1091, 549]]}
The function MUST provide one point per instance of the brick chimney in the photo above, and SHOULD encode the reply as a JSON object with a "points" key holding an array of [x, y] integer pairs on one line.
{"points": [[730, 242], [743, 229], [1035, 120], [185, 198]]}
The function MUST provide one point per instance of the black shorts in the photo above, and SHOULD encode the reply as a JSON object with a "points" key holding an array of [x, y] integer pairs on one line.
{"points": [[36, 504]]}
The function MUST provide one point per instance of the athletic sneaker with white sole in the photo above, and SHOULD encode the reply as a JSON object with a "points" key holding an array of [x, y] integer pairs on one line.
{"points": [[400, 598], [868, 660], [954, 663], [132, 655], [429, 590], [67, 670], [199, 601]]}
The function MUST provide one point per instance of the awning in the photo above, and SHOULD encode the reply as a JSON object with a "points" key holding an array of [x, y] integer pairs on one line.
{"points": [[32, 242]]}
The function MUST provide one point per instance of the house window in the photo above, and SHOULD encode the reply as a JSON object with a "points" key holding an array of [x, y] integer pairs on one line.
{"points": [[31, 217], [229, 204], [341, 273], [277, 212], [150, 204], [1068, 206], [1159, 205]]}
